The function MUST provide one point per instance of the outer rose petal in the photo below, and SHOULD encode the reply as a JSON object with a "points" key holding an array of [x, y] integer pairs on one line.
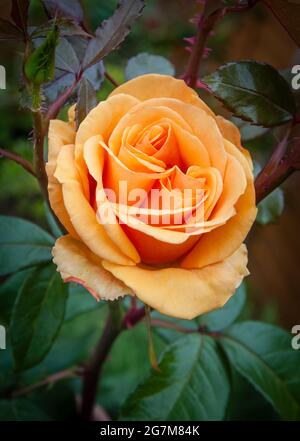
{"points": [[60, 133], [77, 263], [94, 159], [150, 86], [185, 293], [81, 213], [232, 134]]}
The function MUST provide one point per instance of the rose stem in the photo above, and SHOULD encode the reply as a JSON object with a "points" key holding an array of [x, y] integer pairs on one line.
{"points": [[204, 27], [68, 373], [111, 79], [54, 109], [19, 160], [113, 327], [267, 181]]}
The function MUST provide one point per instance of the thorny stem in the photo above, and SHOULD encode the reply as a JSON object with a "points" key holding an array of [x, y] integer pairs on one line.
{"points": [[205, 26], [115, 324], [91, 376], [38, 152], [19, 160], [271, 177], [57, 105]]}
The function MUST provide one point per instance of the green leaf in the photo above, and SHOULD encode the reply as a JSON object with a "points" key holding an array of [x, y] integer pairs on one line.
{"points": [[169, 334], [254, 92], [87, 100], [263, 355], [113, 31], [57, 401], [22, 244], [192, 385], [39, 68], [225, 316], [79, 301], [37, 316], [145, 63], [127, 366], [65, 8], [19, 13], [271, 208], [53, 225], [254, 408], [77, 338], [8, 31], [287, 12], [8, 293], [7, 374], [21, 410]]}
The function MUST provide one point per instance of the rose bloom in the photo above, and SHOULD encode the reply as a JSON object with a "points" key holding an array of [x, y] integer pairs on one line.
{"points": [[152, 133]]}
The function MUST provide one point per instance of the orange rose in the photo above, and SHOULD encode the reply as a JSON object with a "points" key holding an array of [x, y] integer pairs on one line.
{"points": [[180, 252]]}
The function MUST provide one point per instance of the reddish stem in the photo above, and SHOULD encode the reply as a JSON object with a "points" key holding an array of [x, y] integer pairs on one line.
{"points": [[19, 160], [57, 105], [276, 172], [205, 26], [111, 79]]}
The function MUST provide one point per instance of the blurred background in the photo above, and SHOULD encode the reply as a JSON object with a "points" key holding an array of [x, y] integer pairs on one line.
{"points": [[274, 284]]}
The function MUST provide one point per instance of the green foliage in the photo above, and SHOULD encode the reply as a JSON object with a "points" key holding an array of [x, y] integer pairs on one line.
{"points": [[192, 385], [127, 366], [23, 244], [39, 68], [148, 63], [271, 208], [37, 316], [21, 410], [254, 92], [263, 355], [8, 293]]}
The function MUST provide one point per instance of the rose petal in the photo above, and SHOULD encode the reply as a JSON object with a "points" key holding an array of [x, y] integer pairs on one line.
{"points": [[60, 133], [185, 293], [94, 158], [150, 86], [232, 134], [81, 214], [199, 123], [223, 241], [76, 263], [100, 121]]}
